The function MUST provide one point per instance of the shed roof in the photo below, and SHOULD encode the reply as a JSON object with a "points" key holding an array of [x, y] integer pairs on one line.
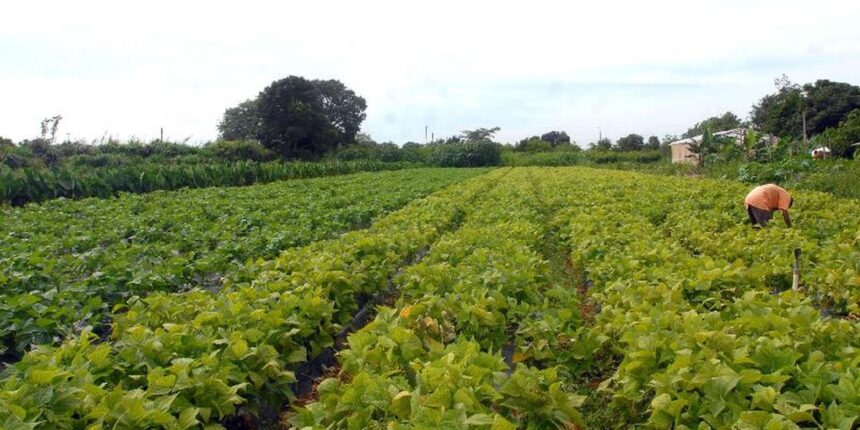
{"points": [[735, 132]]}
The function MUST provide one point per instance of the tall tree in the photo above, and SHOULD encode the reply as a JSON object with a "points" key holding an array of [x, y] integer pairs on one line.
{"points": [[726, 121], [555, 137], [653, 143], [841, 139], [479, 134], [297, 117], [292, 119], [343, 107], [825, 103], [665, 141], [828, 103], [780, 113], [631, 142], [49, 128], [241, 122], [604, 144]]}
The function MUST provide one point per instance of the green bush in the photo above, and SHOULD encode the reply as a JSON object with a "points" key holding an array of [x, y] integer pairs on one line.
{"points": [[534, 145], [553, 158], [607, 157], [238, 150], [387, 152], [390, 152], [466, 154], [353, 152], [841, 139]]}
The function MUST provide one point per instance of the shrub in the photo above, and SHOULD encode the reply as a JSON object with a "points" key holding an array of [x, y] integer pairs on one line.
{"points": [[70, 149], [354, 152], [534, 144], [392, 152], [466, 154], [552, 158], [387, 152], [238, 150], [42, 149], [841, 139], [607, 157]]}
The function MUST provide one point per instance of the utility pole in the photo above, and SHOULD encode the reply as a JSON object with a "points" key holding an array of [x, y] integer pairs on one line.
{"points": [[803, 115], [161, 139], [432, 137], [805, 138], [425, 134]]}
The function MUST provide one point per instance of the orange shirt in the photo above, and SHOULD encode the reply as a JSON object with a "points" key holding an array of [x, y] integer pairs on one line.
{"points": [[768, 197]]}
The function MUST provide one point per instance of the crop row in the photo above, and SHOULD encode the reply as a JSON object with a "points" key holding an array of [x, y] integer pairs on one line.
{"points": [[694, 303], [441, 357], [25, 185], [65, 264], [183, 359]]}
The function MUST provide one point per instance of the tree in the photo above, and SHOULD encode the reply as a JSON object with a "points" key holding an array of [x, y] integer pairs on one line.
{"points": [[665, 141], [703, 147], [471, 148], [479, 134], [828, 103], [466, 154], [631, 142], [49, 126], [343, 107], [727, 121], [604, 144], [302, 118], [751, 143], [841, 139], [555, 137], [825, 103], [241, 122], [6, 143], [364, 139], [534, 144], [653, 143], [780, 113]]}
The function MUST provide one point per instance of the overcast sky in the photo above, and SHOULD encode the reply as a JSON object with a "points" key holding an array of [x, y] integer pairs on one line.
{"points": [[126, 69]]}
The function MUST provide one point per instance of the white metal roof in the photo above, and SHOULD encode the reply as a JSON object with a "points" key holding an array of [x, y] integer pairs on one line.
{"points": [[735, 132]]}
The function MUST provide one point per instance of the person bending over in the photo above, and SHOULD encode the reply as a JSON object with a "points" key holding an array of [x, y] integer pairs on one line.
{"points": [[764, 200]]}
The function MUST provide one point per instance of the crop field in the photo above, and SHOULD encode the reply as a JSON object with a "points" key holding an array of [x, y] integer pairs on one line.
{"points": [[65, 264], [515, 298]]}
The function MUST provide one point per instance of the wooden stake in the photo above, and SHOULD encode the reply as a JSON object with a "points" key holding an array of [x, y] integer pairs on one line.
{"points": [[795, 280]]}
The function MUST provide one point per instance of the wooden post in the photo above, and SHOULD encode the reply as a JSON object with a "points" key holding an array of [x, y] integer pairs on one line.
{"points": [[795, 279]]}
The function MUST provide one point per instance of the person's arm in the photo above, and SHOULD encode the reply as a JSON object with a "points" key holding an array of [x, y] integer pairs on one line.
{"points": [[786, 218]]}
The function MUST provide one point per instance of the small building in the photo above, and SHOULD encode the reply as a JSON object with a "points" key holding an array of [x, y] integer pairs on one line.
{"points": [[681, 151], [681, 148]]}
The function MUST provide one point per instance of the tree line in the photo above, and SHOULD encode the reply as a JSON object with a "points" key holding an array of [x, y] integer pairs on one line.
{"points": [[299, 118], [823, 112]]}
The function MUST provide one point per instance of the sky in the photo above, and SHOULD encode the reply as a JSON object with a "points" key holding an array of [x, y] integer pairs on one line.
{"points": [[125, 70]]}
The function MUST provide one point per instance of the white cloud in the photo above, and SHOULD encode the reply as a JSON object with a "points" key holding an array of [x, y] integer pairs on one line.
{"points": [[646, 67]]}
